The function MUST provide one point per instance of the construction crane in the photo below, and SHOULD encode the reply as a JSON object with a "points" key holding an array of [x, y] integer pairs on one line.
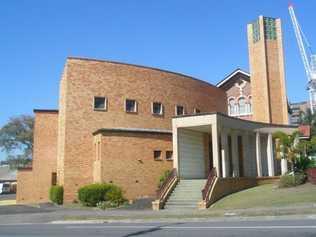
{"points": [[309, 59]]}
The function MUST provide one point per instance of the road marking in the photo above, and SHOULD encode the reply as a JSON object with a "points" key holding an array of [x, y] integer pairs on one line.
{"points": [[193, 227]]}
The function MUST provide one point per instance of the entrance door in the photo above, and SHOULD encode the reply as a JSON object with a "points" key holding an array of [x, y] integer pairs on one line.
{"points": [[191, 154]]}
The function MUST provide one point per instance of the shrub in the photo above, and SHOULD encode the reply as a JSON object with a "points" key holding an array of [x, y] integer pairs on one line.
{"points": [[163, 177], [302, 163], [56, 194], [115, 196], [91, 194], [291, 180]]}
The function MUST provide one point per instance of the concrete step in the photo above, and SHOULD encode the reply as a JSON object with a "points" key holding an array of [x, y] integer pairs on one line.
{"points": [[186, 195], [179, 207], [193, 197], [183, 202]]}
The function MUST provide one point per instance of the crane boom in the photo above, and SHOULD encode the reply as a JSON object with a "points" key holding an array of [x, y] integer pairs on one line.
{"points": [[309, 66], [298, 34]]}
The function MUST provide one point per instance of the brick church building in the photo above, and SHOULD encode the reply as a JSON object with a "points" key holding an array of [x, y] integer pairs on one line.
{"points": [[114, 121]]}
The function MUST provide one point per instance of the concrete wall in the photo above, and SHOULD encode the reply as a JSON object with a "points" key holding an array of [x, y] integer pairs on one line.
{"points": [[225, 186], [84, 79]]}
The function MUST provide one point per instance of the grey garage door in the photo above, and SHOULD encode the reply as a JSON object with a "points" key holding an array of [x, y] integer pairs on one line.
{"points": [[191, 154]]}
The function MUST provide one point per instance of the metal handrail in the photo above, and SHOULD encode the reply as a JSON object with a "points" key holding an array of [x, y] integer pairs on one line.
{"points": [[165, 185], [209, 183]]}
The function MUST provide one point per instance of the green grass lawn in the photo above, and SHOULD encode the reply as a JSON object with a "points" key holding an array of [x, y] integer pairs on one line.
{"points": [[268, 195]]}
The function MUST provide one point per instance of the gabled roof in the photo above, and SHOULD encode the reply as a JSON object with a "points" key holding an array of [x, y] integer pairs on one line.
{"points": [[231, 75]]}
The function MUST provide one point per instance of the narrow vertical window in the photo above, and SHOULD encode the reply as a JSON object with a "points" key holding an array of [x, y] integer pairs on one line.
{"points": [[54, 178], [242, 105], [157, 108], [169, 155], [157, 155], [179, 110], [130, 106], [231, 107]]}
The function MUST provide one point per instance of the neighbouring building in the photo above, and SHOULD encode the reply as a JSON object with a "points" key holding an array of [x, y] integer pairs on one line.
{"points": [[114, 124], [297, 110]]}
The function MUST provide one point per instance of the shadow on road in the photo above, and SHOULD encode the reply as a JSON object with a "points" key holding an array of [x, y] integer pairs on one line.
{"points": [[150, 230]]}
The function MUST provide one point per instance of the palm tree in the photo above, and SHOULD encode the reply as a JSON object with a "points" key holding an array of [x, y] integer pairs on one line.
{"points": [[287, 147]]}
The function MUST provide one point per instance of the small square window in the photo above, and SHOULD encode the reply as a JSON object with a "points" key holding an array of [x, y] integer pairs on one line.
{"points": [[99, 103], [157, 155], [196, 111], [179, 110], [130, 106], [157, 108], [169, 155]]}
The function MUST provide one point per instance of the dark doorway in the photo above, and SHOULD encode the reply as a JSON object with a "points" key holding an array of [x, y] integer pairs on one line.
{"points": [[240, 156], [230, 156]]}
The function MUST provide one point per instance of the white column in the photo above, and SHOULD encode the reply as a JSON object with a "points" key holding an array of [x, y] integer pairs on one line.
{"points": [[258, 155], [175, 146], [284, 168], [270, 155], [215, 149], [235, 154], [224, 152]]}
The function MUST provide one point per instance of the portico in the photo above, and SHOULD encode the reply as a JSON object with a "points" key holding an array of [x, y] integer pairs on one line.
{"points": [[234, 147]]}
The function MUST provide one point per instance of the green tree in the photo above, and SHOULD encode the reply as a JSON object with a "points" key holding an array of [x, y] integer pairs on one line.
{"points": [[16, 140], [287, 146]]}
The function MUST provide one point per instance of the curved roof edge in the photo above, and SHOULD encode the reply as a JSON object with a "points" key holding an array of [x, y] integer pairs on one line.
{"points": [[141, 66]]}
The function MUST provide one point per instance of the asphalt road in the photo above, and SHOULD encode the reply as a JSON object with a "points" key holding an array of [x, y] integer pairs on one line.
{"points": [[271, 228]]}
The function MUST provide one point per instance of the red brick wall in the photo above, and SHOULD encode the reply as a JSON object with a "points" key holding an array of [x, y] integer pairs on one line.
{"points": [[33, 185], [133, 168], [84, 79], [25, 187]]}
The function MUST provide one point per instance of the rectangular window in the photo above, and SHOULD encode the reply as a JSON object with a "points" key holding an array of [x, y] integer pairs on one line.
{"points": [[169, 155], [157, 155], [179, 110], [157, 108], [130, 106], [100, 103], [54, 178], [196, 111]]}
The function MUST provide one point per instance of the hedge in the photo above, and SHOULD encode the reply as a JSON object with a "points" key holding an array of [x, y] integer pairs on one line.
{"points": [[91, 194], [56, 194]]}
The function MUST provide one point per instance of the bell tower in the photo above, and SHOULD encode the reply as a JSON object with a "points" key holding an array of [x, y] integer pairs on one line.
{"points": [[267, 71]]}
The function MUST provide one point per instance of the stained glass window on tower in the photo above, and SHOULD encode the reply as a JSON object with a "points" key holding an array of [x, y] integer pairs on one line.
{"points": [[269, 28], [256, 31]]}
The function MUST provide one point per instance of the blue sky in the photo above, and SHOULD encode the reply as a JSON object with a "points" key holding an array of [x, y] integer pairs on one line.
{"points": [[204, 39]]}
